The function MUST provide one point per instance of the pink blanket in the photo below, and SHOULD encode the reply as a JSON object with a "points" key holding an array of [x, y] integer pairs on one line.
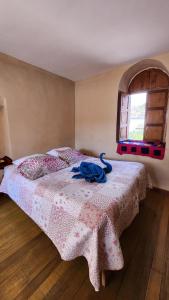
{"points": [[82, 219]]}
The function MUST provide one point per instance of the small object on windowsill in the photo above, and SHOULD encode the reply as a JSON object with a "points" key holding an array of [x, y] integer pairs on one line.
{"points": [[154, 149], [4, 162]]}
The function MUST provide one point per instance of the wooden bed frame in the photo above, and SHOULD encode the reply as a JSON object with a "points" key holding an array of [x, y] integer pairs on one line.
{"points": [[103, 279]]}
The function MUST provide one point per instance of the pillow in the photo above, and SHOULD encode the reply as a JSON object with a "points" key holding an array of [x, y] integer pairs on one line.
{"points": [[18, 161], [54, 151], [38, 166], [71, 156]]}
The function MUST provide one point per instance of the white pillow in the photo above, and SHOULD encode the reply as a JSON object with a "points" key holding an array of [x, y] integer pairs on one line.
{"points": [[18, 161], [54, 152]]}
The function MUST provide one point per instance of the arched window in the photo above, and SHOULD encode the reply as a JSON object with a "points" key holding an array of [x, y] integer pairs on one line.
{"points": [[142, 109]]}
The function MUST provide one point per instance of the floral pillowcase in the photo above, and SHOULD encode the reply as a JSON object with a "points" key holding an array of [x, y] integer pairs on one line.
{"points": [[71, 156], [38, 166]]}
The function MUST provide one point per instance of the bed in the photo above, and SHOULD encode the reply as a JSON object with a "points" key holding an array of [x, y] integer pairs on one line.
{"points": [[81, 218]]}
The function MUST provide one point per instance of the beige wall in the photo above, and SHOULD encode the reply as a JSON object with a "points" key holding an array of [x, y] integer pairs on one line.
{"points": [[95, 120], [38, 109]]}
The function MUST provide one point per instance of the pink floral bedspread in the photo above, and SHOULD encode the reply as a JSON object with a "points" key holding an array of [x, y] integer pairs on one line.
{"points": [[82, 219]]}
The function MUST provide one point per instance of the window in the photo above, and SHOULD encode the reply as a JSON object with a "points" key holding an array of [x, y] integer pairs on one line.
{"points": [[137, 116], [142, 110]]}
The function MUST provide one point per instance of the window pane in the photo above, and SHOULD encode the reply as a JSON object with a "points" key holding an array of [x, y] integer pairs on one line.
{"points": [[137, 116]]}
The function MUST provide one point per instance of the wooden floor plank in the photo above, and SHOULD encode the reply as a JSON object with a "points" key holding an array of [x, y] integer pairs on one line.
{"points": [[17, 271], [154, 284], [31, 268], [164, 289], [153, 290], [34, 284], [55, 277]]}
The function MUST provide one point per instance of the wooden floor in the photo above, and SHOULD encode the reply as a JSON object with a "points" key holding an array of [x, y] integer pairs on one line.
{"points": [[31, 268]]}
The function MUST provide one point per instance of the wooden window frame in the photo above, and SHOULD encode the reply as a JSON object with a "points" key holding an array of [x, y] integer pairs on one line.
{"points": [[148, 91], [118, 116]]}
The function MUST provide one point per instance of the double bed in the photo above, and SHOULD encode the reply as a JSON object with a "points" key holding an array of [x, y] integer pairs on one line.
{"points": [[81, 218]]}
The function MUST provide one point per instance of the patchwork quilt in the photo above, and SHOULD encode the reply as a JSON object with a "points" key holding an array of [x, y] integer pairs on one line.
{"points": [[81, 218]]}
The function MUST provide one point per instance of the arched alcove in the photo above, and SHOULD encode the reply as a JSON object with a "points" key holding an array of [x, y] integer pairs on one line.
{"points": [[5, 147], [137, 68], [142, 109]]}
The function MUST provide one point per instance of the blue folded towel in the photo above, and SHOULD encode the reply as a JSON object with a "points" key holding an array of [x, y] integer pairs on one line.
{"points": [[92, 172]]}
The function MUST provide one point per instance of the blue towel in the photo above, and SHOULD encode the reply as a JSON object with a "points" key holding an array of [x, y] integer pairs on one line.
{"points": [[92, 172]]}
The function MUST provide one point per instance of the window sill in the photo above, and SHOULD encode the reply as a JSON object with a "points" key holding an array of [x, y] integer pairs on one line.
{"points": [[142, 148]]}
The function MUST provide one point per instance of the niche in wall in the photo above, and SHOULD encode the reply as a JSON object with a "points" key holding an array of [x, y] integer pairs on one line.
{"points": [[4, 129], [142, 108]]}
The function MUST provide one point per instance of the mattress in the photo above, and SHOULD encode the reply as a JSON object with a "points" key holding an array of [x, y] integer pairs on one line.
{"points": [[81, 218]]}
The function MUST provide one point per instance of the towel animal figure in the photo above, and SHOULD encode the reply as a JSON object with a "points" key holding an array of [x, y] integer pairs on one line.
{"points": [[92, 172]]}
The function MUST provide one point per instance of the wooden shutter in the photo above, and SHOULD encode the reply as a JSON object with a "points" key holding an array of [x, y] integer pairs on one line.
{"points": [[148, 80], [155, 115], [140, 82], [124, 116], [158, 79]]}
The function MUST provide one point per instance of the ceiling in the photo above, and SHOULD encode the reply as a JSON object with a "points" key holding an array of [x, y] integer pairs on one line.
{"points": [[80, 38]]}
